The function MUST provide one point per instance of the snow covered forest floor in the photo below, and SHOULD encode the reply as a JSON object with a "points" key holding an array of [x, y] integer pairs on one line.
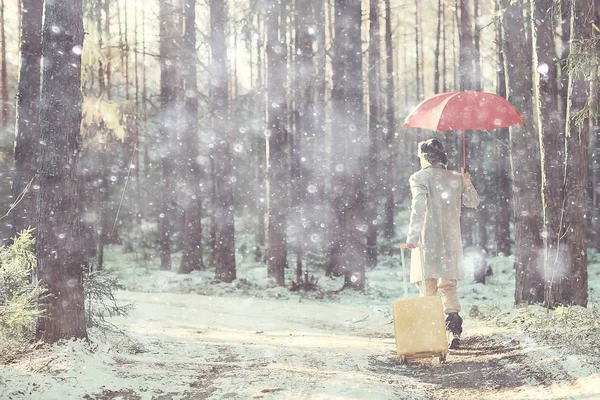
{"points": [[190, 338]]}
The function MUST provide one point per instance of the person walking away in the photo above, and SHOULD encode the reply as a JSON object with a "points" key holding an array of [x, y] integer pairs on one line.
{"points": [[437, 197]]}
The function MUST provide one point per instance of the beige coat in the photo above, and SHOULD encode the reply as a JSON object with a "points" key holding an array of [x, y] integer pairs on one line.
{"points": [[437, 195]]}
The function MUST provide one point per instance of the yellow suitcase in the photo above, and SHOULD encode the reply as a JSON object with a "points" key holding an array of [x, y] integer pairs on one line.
{"points": [[419, 324]]}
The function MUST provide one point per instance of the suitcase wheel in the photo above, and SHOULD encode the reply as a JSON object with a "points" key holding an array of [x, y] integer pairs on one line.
{"points": [[443, 358], [403, 360]]}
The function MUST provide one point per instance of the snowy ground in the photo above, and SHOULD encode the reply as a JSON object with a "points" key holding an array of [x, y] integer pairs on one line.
{"points": [[188, 338]]}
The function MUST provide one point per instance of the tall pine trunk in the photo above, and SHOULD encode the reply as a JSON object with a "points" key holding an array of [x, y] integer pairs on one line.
{"points": [[259, 147], [466, 46], [27, 134], [481, 181], [170, 114], [418, 54], [125, 48], [60, 247], [565, 49], [477, 47], [102, 197], [567, 282], [375, 128], [502, 238], [595, 148], [192, 193], [277, 149], [390, 150], [444, 76], [348, 154], [524, 162], [551, 134], [467, 82], [108, 67], [146, 156], [4, 105], [223, 208], [436, 53], [321, 102], [304, 193]]}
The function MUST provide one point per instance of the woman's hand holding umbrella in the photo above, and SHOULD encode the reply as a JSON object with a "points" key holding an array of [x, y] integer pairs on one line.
{"points": [[466, 175]]}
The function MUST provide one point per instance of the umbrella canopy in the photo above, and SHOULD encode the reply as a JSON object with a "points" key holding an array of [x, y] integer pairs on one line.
{"points": [[467, 110]]}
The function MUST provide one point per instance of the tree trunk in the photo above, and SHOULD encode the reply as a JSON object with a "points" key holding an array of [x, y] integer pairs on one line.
{"points": [[405, 67], [388, 224], [170, 114], [136, 121], [98, 15], [234, 68], [374, 81], [192, 193], [438, 33], [146, 157], [524, 162], [567, 282], [320, 108], [304, 193], [277, 150], [213, 214], [108, 67], [595, 156], [60, 247], [504, 194], [476, 47], [551, 134], [348, 159], [502, 231], [102, 199], [565, 49], [102, 194], [466, 46], [467, 78], [20, 17], [27, 128], [444, 64], [225, 237], [4, 106], [125, 48], [418, 61], [422, 52], [260, 149], [449, 140], [122, 44], [455, 65], [481, 180], [140, 213]]}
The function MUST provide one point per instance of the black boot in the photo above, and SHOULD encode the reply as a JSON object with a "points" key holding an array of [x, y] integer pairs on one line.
{"points": [[454, 326]]}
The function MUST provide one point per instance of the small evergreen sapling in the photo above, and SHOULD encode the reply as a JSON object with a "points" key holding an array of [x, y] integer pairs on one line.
{"points": [[19, 306], [101, 304]]}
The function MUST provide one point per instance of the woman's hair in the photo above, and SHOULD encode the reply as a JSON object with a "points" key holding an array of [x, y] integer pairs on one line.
{"points": [[433, 152]]}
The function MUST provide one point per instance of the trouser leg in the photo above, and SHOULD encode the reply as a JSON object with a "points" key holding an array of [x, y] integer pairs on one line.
{"points": [[447, 289], [431, 287], [449, 296]]}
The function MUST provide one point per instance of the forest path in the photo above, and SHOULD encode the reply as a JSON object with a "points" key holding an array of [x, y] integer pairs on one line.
{"points": [[246, 348]]}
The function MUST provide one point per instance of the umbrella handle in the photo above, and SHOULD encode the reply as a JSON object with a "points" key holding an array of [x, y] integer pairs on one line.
{"points": [[464, 149]]}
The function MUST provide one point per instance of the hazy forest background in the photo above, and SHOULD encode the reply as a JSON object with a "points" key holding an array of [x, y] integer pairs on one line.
{"points": [[221, 131]]}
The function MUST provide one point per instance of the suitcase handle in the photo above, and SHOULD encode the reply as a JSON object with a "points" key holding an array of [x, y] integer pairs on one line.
{"points": [[405, 246], [423, 287]]}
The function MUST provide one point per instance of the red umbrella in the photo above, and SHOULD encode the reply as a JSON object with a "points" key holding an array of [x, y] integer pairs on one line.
{"points": [[468, 110]]}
